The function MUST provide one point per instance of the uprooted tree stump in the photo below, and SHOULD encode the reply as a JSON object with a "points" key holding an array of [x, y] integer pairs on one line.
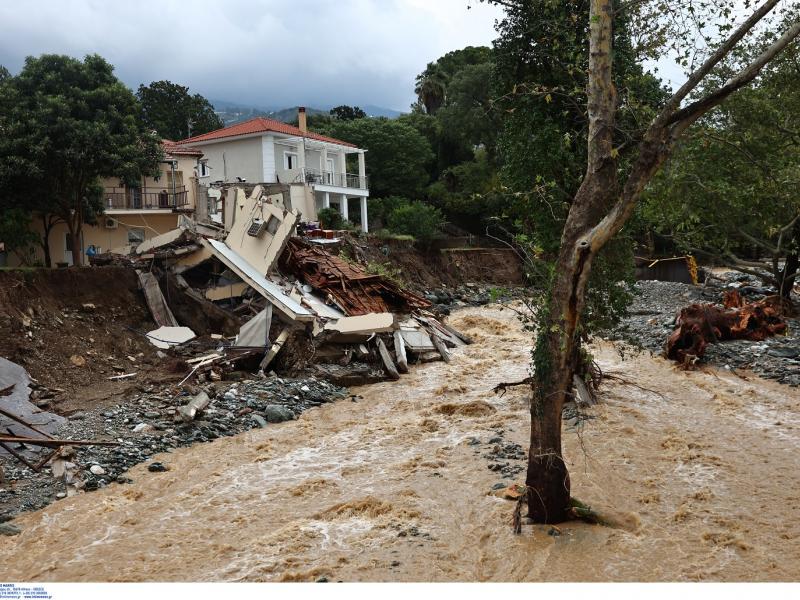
{"points": [[702, 324]]}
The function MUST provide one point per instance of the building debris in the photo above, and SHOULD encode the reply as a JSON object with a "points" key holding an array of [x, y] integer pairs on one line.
{"points": [[352, 289], [167, 337], [274, 292], [195, 405], [162, 315]]}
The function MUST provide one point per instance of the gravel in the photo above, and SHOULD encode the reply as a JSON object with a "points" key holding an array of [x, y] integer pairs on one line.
{"points": [[146, 425]]}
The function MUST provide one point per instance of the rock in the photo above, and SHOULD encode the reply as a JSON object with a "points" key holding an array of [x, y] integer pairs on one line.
{"points": [[784, 352], [142, 427], [9, 530], [77, 360], [157, 467], [499, 486], [258, 419], [97, 470], [152, 415], [275, 413]]}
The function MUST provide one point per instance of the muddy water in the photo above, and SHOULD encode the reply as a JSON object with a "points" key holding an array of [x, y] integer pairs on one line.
{"points": [[700, 470]]}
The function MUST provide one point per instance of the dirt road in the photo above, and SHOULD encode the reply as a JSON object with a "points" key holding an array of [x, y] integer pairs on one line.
{"points": [[702, 473]]}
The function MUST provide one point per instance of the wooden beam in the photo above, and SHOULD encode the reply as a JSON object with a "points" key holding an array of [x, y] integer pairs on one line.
{"points": [[391, 369], [400, 352]]}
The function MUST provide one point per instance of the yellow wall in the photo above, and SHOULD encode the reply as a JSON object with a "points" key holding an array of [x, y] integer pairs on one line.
{"points": [[100, 236]]}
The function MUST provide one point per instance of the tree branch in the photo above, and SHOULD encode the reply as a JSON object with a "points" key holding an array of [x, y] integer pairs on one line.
{"points": [[712, 61], [689, 114]]}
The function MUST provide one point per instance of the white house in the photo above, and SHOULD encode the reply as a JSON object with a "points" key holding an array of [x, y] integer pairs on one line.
{"points": [[263, 150]]}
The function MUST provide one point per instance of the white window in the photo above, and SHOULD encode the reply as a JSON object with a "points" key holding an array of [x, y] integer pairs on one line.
{"points": [[135, 235], [290, 161], [204, 170]]}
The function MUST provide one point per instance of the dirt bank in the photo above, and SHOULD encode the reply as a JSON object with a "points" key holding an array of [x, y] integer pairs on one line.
{"points": [[434, 268], [700, 474], [69, 329]]}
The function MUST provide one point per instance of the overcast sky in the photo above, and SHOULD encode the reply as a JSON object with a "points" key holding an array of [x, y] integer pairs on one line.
{"points": [[264, 52]]}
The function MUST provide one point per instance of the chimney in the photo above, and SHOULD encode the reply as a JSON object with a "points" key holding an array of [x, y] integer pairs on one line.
{"points": [[301, 119]]}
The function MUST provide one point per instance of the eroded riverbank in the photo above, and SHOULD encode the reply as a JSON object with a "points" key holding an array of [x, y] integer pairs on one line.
{"points": [[702, 473]]}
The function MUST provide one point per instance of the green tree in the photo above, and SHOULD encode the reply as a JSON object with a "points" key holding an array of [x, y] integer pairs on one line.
{"points": [[730, 191], [432, 84], [15, 233], [347, 113], [66, 123], [174, 113], [613, 181], [398, 155], [417, 219]]}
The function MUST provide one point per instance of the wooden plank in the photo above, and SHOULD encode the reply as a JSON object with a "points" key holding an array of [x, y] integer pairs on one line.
{"points": [[391, 369], [400, 352], [276, 347], [455, 332], [437, 341], [162, 315]]}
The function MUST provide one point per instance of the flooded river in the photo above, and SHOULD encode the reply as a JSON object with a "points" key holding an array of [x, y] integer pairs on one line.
{"points": [[701, 471]]}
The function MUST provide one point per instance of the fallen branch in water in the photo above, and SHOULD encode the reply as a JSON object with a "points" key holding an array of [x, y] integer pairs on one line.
{"points": [[502, 387]]}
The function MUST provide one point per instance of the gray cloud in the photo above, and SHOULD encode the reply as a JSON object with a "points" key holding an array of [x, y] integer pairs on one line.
{"points": [[266, 52]]}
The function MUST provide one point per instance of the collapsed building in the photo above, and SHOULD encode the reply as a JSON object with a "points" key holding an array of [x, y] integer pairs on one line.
{"points": [[265, 284]]}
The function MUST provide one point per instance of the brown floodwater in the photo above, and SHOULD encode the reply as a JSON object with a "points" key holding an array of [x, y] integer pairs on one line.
{"points": [[699, 470]]}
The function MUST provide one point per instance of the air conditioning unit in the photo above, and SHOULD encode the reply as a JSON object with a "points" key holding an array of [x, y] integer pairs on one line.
{"points": [[256, 228], [111, 223]]}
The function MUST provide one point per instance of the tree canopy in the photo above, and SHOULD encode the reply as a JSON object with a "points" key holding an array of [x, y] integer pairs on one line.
{"points": [[398, 154], [66, 123], [347, 113], [174, 113]]}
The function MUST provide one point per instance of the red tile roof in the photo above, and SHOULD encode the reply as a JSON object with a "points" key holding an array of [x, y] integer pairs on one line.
{"points": [[260, 125], [175, 148]]}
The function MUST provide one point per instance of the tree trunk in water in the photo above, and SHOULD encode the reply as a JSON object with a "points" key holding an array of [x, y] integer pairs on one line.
{"points": [[557, 351]]}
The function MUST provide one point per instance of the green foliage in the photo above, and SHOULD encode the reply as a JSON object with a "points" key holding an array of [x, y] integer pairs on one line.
{"points": [[380, 208], [387, 270], [330, 218], [398, 154], [15, 233], [730, 191], [66, 123], [347, 113], [175, 114], [433, 83], [421, 220], [540, 77]]}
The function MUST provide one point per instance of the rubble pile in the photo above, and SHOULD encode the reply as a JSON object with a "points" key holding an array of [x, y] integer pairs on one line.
{"points": [[349, 286]]}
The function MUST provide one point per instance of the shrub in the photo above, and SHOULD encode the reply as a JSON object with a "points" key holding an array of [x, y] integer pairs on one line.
{"points": [[330, 218], [421, 220]]}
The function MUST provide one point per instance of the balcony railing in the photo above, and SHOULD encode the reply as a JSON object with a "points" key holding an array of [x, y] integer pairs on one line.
{"points": [[348, 180], [133, 198]]}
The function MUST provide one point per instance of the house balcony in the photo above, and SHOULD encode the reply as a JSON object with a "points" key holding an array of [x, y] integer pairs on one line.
{"points": [[342, 180], [144, 198]]}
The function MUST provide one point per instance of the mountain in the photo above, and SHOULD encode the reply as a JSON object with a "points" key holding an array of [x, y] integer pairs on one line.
{"points": [[233, 112]]}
